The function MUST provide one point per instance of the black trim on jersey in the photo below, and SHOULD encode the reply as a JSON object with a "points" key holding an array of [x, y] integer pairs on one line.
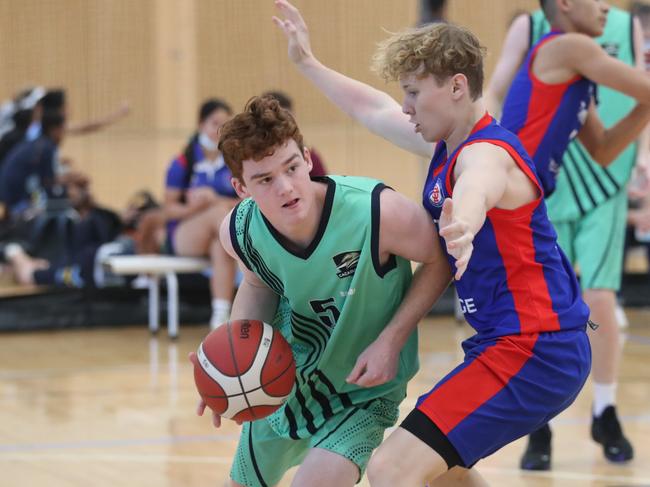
{"points": [[322, 225], [317, 347], [321, 398], [318, 340], [574, 166], [531, 33], [426, 430], [348, 416], [233, 237], [375, 215], [343, 397], [572, 186], [293, 425], [262, 269], [604, 171], [252, 454], [633, 51], [306, 413], [601, 264]]}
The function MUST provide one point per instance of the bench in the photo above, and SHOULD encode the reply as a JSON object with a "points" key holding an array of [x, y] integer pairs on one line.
{"points": [[156, 266]]}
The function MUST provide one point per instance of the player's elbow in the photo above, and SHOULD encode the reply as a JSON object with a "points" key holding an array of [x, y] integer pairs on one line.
{"points": [[603, 156]]}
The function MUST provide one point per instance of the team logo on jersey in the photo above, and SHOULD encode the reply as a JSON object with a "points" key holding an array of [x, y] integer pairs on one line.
{"points": [[346, 263], [437, 194]]}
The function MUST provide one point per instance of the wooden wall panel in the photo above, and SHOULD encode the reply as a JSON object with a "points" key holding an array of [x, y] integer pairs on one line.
{"points": [[165, 56]]}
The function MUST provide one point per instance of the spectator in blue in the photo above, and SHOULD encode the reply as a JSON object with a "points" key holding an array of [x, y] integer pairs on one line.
{"points": [[28, 174], [198, 195]]}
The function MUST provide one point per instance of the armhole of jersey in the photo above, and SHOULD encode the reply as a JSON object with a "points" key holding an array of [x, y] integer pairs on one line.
{"points": [[538, 82], [632, 50], [531, 31], [233, 237], [375, 215]]}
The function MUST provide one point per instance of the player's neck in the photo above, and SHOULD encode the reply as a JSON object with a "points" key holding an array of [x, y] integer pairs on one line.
{"points": [[299, 235], [563, 24], [465, 125]]}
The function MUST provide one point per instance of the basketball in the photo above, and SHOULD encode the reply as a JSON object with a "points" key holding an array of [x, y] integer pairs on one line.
{"points": [[244, 370]]}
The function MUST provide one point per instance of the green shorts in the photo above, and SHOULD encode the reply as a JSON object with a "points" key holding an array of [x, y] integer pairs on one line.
{"points": [[594, 243], [263, 457]]}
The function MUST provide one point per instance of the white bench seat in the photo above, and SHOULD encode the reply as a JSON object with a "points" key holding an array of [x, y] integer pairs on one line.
{"points": [[155, 266]]}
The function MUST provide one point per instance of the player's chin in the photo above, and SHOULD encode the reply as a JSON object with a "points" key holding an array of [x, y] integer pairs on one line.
{"points": [[596, 31]]}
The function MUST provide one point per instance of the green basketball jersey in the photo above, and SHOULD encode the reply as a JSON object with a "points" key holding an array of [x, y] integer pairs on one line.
{"points": [[336, 298], [582, 183]]}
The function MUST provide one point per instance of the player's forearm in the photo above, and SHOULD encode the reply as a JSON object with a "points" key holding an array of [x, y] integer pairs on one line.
{"points": [[359, 100], [179, 211], [372, 108], [470, 204], [429, 282], [254, 303], [89, 126], [615, 139]]}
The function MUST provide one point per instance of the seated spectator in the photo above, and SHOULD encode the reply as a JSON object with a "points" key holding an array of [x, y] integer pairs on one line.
{"points": [[286, 102], [19, 113], [198, 196], [74, 263], [27, 176]]}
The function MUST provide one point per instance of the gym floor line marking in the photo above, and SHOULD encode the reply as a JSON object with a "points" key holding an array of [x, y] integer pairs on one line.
{"points": [[126, 458], [114, 443], [633, 479], [639, 339]]}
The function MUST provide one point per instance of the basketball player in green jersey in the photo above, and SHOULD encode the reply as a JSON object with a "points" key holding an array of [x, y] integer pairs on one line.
{"points": [[327, 261], [588, 210]]}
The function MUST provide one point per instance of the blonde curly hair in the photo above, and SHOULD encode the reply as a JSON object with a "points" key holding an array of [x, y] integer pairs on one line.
{"points": [[441, 50]]}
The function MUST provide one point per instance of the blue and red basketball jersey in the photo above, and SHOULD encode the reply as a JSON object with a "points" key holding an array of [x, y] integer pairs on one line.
{"points": [[546, 117], [518, 281]]}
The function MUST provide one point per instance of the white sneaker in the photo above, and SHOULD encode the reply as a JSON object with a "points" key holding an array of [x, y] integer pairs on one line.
{"points": [[218, 318]]}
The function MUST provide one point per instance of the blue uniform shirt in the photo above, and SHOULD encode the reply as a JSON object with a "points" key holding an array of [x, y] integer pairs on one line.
{"points": [[518, 281]]}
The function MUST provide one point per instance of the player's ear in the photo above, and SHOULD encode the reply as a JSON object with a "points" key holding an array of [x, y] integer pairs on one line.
{"points": [[561, 5], [240, 187], [307, 155], [459, 86]]}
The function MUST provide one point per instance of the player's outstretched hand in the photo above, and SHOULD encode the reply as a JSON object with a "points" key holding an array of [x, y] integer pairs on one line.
{"points": [[376, 365], [458, 237], [294, 27], [200, 407]]}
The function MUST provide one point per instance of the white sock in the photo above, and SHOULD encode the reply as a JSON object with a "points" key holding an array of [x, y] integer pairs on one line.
{"points": [[221, 305], [12, 249], [220, 312], [604, 395]]}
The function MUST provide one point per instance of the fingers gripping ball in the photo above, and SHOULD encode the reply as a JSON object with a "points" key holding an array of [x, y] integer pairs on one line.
{"points": [[244, 370]]}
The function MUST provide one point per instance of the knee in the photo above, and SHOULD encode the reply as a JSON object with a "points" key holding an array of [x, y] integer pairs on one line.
{"points": [[383, 469], [598, 297]]}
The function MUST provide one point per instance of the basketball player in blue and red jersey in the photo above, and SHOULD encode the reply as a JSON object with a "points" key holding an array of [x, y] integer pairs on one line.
{"points": [[551, 99], [549, 102], [530, 355]]}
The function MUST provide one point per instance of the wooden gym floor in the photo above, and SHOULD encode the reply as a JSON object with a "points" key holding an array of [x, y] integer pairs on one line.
{"points": [[115, 407]]}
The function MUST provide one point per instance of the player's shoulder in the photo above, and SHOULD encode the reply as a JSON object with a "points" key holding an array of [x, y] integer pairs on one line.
{"points": [[577, 41], [487, 153], [356, 183]]}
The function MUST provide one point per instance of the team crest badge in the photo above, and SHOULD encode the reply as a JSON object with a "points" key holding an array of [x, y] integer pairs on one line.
{"points": [[346, 263], [437, 195]]}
